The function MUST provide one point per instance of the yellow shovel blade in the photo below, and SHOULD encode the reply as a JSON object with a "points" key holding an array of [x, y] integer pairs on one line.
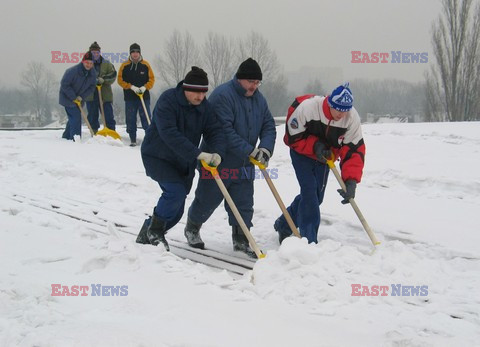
{"points": [[109, 132]]}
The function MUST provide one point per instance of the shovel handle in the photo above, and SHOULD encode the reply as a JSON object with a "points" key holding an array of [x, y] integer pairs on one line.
{"points": [[212, 169], [236, 213], [277, 197], [354, 205], [140, 95], [256, 162]]}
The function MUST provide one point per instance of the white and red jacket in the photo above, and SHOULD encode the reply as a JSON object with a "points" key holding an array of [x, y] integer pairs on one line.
{"points": [[311, 121]]}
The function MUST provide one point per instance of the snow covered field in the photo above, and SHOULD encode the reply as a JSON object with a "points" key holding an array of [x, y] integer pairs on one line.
{"points": [[419, 194]]}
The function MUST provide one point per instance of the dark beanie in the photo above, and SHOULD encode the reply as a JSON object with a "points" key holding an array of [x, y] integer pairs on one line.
{"points": [[249, 70], [94, 47], [135, 47], [88, 56], [196, 80]]}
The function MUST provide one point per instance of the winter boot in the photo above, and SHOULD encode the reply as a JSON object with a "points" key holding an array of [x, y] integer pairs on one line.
{"points": [[142, 235], [282, 234], [156, 232], [240, 242], [192, 233]]}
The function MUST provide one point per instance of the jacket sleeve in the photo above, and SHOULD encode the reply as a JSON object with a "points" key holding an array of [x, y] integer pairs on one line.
{"points": [[352, 152], [165, 117], [213, 134], [66, 84], [151, 76], [110, 74], [298, 137], [268, 133], [227, 118], [121, 82]]}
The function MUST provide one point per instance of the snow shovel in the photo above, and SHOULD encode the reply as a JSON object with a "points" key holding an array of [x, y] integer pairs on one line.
{"points": [[369, 231], [287, 216], [105, 131], [84, 116], [213, 170], [140, 95]]}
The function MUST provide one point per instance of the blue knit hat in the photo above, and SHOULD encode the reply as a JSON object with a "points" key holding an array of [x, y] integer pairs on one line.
{"points": [[341, 98]]}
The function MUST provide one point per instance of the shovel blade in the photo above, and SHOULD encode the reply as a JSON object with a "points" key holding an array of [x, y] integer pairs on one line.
{"points": [[109, 132]]}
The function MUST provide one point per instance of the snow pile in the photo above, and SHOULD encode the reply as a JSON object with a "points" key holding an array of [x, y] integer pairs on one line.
{"points": [[323, 276]]}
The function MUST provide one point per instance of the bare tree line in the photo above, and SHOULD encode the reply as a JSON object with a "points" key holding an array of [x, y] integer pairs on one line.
{"points": [[449, 93], [220, 57], [452, 84]]}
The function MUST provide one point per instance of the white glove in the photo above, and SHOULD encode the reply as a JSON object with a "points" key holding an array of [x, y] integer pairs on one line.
{"points": [[135, 89], [78, 98], [142, 89], [262, 155], [212, 159], [254, 153]]}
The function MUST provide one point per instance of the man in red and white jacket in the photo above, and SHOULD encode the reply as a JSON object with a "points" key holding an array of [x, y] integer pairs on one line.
{"points": [[316, 128]]}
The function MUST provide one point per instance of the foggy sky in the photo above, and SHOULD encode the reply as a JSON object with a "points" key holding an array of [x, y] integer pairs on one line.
{"points": [[303, 32]]}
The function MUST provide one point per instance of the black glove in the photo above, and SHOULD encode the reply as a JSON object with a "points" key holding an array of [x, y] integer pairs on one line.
{"points": [[322, 152], [351, 186]]}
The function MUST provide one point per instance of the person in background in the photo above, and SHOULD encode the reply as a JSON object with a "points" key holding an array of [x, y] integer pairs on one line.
{"points": [[106, 75], [246, 120], [182, 116], [77, 83], [318, 128], [135, 77]]}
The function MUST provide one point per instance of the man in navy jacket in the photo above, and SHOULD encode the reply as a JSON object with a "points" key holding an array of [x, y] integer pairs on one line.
{"points": [[245, 117], [77, 83], [170, 150]]}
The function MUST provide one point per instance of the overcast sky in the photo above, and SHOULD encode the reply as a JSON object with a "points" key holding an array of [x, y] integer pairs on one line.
{"points": [[303, 32]]}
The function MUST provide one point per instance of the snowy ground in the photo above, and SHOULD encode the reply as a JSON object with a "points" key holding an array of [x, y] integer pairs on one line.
{"points": [[419, 194]]}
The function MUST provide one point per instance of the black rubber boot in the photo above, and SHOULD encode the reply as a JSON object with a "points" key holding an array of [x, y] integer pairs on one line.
{"points": [[282, 234], [156, 232], [192, 233], [240, 242], [142, 235]]}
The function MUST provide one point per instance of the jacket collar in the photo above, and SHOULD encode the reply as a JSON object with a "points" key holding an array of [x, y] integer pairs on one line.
{"points": [[239, 89], [326, 109], [84, 72]]}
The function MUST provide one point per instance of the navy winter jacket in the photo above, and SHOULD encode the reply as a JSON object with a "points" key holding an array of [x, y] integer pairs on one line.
{"points": [[170, 148], [76, 81], [244, 120]]}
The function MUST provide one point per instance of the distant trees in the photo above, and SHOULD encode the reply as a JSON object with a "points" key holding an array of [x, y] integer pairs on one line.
{"points": [[41, 85], [453, 81], [394, 97], [314, 86], [179, 53], [218, 53], [220, 57]]}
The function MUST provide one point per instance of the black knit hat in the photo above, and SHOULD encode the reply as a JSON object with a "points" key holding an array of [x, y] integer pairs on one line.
{"points": [[135, 47], [249, 70], [87, 56], [94, 47], [196, 80]]}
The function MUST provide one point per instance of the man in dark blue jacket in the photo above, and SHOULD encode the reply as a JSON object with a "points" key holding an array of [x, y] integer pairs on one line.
{"points": [[170, 150], [245, 117], [77, 83]]}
